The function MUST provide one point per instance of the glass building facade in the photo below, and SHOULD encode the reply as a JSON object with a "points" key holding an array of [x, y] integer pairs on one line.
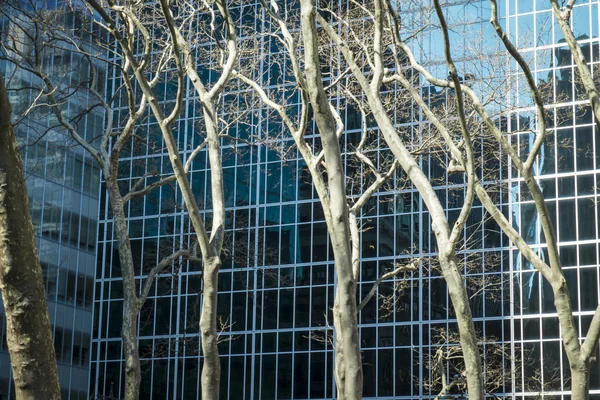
{"points": [[277, 282], [63, 188]]}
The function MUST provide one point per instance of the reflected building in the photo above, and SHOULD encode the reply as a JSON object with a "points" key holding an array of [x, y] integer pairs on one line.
{"points": [[63, 188], [277, 282]]}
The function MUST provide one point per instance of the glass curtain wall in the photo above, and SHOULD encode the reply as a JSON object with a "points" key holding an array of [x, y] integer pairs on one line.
{"points": [[276, 285], [63, 188]]}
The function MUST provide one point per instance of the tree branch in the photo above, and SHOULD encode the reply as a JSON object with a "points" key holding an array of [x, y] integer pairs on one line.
{"points": [[537, 98], [413, 266], [469, 165], [584, 71], [588, 348], [161, 266]]}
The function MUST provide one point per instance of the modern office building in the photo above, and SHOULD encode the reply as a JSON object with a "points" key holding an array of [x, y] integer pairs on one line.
{"points": [[276, 285], [63, 187]]}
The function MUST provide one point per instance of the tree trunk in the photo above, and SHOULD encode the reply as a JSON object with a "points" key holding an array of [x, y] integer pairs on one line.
{"points": [[339, 366], [580, 369], [133, 375], [466, 327], [211, 367], [348, 358], [580, 382], [28, 331], [349, 377]]}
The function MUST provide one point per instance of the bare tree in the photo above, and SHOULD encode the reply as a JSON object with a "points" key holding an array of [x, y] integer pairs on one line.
{"points": [[178, 45], [38, 35], [212, 245], [448, 238], [28, 331], [524, 159], [581, 355], [342, 193], [332, 194]]}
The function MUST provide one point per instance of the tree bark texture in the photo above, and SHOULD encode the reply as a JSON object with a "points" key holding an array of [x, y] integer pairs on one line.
{"points": [[579, 365], [580, 382], [133, 375], [28, 331], [211, 367]]}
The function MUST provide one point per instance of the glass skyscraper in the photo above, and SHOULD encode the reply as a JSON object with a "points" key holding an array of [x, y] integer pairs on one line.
{"points": [[63, 188], [277, 282]]}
